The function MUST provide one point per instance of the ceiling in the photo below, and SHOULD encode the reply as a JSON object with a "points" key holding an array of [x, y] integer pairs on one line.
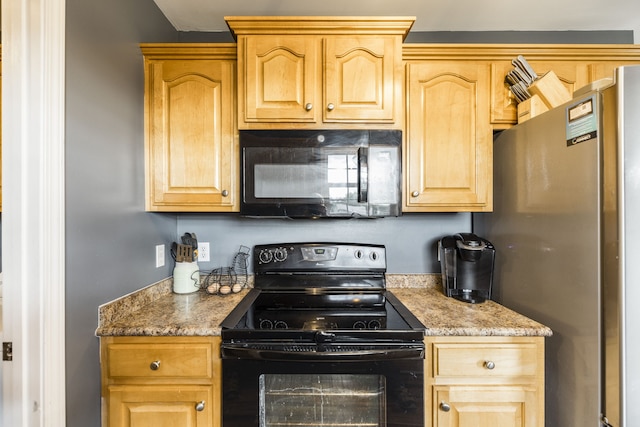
{"points": [[431, 15]]}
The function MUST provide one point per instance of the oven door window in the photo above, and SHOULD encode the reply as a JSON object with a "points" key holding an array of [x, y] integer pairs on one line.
{"points": [[322, 400]]}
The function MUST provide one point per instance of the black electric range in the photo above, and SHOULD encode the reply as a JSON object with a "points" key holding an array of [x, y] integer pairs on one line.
{"points": [[316, 299]]}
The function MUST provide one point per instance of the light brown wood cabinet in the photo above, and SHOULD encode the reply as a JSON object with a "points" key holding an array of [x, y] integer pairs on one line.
{"points": [[456, 99], [161, 381], [337, 72], [319, 72], [448, 162], [484, 381], [191, 147]]}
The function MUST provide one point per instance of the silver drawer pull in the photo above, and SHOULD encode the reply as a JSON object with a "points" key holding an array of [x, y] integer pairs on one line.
{"points": [[330, 107], [225, 193], [200, 406], [489, 364], [415, 194], [309, 106], [155, 365], [444, 406]]}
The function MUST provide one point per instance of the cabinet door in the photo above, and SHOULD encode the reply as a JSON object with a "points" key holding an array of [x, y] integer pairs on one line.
{"points": [[281, 79], [160, 406], [503, 104], [449, 141], [484, 407], [191, 150], [359, 79]]}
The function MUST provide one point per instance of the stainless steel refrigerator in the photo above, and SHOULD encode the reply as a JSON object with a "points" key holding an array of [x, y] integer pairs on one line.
{"points": [[566, 228]]}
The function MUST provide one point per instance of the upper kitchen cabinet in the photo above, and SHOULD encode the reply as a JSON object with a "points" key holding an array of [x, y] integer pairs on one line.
{"points": [[448, 156], [191, 147], [320, 72]]}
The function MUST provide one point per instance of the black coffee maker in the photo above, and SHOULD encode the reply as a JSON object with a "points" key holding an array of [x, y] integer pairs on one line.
{"points": [[466, 262]]}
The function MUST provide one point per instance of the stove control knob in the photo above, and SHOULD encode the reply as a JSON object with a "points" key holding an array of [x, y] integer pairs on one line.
{"points": [[265, 256], [373, 256], [374, 324], [266, 324], [280, 254], [358, 254], [281, 325], [359, 325]]}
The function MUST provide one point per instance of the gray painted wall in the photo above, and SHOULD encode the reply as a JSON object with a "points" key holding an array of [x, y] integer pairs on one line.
{"points": [[110, 239], [410, 240]]}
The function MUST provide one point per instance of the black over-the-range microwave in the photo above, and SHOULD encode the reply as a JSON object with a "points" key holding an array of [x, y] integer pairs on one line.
{"points": [[321, 173]]}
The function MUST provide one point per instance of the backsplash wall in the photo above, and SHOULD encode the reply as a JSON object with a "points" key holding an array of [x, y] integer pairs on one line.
{"points": [[410, 239]]}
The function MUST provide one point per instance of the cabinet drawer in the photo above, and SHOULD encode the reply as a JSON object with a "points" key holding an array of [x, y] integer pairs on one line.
{"points": [[148, 360], [484, 360]]}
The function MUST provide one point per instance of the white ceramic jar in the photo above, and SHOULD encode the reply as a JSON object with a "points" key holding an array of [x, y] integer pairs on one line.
{"points": [[186, 277]]}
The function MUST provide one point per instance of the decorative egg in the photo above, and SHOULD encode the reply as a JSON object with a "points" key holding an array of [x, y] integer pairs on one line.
{"points": [[213, 288], [225, 290], [237, 287]]}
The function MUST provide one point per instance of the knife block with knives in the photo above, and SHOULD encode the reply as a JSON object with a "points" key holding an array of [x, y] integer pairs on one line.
{"points": [[186, 274], [535, 94]]}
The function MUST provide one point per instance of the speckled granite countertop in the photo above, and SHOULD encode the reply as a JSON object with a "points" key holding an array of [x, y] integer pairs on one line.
{"points": [[156, 311]]}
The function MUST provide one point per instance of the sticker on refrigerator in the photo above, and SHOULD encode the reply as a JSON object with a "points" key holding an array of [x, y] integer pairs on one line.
{"points": [[581, 122]]}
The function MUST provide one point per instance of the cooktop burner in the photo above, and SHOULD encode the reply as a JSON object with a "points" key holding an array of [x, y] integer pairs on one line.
{"points": [[302, 288]]}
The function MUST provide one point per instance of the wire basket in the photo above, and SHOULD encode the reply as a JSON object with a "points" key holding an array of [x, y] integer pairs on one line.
{"points": [[228, 280]]}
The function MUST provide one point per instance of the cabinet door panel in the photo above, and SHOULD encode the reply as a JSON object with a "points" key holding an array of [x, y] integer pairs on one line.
{"points": [[484, 407], [191, 147], [359, 79], [160, 406], [280, 79], [448, 138]]}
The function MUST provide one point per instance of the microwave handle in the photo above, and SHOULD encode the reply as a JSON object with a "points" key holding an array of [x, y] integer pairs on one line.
{"points": [[363, 174]]}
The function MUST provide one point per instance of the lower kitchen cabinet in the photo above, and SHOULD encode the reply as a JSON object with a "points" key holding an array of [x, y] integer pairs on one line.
{"points": [[161, 381], [159, 406], [484, 382]]}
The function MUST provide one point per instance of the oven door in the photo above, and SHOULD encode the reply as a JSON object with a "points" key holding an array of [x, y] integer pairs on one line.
{"points": [[370, 390], [331, 173]]}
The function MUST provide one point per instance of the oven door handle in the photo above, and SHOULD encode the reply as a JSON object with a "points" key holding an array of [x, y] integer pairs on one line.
{"points": [[235, 352]]}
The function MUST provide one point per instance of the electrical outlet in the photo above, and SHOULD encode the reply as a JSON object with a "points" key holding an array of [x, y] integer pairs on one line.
{"points": [[159, 256], [203, 252]]}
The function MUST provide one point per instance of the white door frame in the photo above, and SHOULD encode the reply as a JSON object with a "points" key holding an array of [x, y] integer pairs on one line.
{"points": [[33, 217]]}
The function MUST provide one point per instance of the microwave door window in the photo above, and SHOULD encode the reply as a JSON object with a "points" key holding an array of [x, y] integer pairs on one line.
{"points": [[324, 177], [284, 181]]}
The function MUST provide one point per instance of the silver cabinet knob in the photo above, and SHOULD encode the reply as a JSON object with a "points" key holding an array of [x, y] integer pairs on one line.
{"points": [[444, 406], [225, 193], [415, 194], [155, 365], [308, 106], [330, 107], [489, 364], [200, 406]]}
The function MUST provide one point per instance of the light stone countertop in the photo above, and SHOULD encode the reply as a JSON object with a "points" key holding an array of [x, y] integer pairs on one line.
{"points": [[156, 311]]}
